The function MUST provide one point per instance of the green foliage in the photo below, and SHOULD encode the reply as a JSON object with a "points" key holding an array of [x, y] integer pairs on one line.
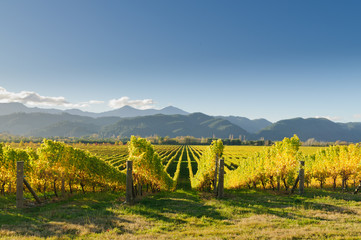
{"points": [[8, 161], [335, 162], [147, 165], [54, 161], [277, 163], [77, 165], [204, 178]]}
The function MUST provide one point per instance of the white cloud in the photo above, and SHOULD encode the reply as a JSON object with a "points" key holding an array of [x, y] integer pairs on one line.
{"points": [[331, 118], [123, 101], [95, 102], [35, 99], [357, 116]]}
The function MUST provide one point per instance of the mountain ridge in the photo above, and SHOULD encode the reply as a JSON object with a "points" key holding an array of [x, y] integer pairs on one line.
{"points": [[321, 129], [195, 124], [67, 125], [251, 126], [125, 111], [17, 119]]}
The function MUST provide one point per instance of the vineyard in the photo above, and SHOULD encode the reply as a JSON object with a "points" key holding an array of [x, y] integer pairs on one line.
{"points": [[95, 167], [175, 187]]}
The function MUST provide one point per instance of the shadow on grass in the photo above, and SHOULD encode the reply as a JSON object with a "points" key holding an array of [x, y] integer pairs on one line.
{"points": [[335, 194], [75, 216], [287, 206], [176, 207], [96, 213]]}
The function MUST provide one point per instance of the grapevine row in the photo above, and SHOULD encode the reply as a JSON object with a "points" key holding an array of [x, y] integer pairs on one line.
{"points": [[54, 163]]}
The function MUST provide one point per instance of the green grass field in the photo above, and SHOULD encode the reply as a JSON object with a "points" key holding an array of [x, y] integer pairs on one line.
{"points": [[242, 214]]}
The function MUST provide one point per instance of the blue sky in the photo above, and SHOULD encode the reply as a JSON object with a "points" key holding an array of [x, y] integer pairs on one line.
{"points": [[270, 59]]}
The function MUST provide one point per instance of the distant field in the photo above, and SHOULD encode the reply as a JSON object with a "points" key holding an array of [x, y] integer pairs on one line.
{"points": [[310, 150], [117, 155]]}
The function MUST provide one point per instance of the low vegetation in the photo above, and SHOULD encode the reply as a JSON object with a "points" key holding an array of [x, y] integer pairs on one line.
{"points": [[187, 214]]}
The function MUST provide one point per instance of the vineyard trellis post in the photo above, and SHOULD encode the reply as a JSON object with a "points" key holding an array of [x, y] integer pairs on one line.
{"points": [[215, 175], [129, 183], [300, 180], [31, 190], [19, 185], [302, 177], [221, 179], [20, 180]]}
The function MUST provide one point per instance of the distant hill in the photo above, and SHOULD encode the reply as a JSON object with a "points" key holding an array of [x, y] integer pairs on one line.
{"points": [[196, 124], [251, 126], [66, 129], [10, 108], [351, 126], [67, 125], [126, 111], [45, 124], [17, 119], [319, 128]]}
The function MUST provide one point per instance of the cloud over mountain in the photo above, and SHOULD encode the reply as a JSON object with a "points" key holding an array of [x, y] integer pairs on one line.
{"points": [[125, 101], [35, 99]]}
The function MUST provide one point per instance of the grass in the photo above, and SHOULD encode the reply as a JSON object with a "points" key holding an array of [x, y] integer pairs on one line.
{"points": [[186, 214]]}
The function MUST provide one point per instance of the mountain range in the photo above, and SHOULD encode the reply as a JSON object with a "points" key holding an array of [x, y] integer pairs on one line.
{"points": [[320, 129], [18, 119], [251, 126], [126, 111], [67, 125]]}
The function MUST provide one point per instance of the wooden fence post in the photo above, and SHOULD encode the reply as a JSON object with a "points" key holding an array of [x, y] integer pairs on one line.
{"points": [[215, 175], [221, 179], [19, 184], [129, 184], [302, 177]]}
